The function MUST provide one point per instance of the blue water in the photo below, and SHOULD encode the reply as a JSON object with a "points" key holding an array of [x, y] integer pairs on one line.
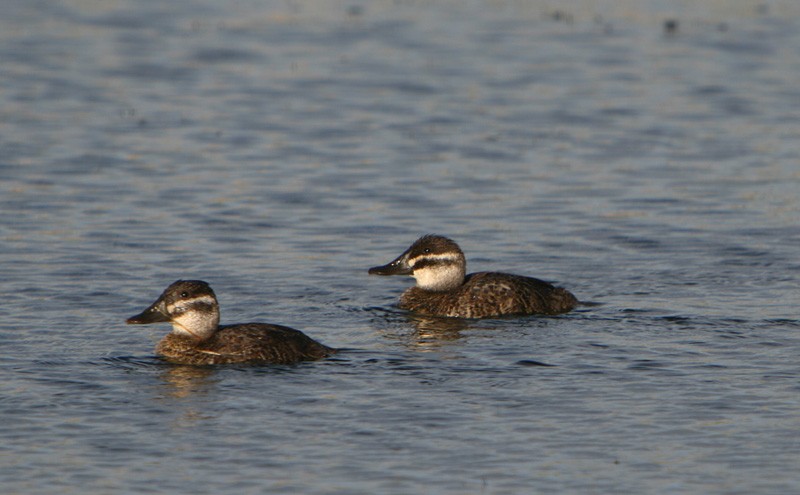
{"points": [[279, 149]]}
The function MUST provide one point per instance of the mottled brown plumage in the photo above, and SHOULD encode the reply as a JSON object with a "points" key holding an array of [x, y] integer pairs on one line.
{"points": [[485, 294], [197, 338], [443, 289], [243, 343]]}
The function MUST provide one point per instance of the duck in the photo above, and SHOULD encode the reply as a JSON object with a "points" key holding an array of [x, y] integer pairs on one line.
{"points": [[443, 288], [197, 338]]}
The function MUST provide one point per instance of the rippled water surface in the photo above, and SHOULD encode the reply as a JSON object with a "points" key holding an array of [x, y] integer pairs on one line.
{"points": [[279, 149]]}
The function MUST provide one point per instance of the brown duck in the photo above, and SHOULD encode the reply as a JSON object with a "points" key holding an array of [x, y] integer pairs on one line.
{"points": [[444, 289], [198, 338]]}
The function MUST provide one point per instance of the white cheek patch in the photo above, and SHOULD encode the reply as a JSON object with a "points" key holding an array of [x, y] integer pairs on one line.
{"points": [[198, 324], [187, 322], [426, 278], [195, 317], [439, 277]]}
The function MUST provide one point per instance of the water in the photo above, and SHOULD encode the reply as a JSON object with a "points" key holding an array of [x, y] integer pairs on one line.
{"points": [[278, 150]]}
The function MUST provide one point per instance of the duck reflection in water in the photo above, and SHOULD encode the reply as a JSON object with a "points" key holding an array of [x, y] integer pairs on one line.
{"points": [[431, 330], [186, 381], [428, 331]]}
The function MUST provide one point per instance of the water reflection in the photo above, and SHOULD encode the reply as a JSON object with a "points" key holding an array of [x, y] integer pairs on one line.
{"points": [[423, 332], [431, 331], [184, 381]]}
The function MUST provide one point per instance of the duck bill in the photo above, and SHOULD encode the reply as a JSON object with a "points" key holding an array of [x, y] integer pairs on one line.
{"points": [[397, 267], [156, 313]]}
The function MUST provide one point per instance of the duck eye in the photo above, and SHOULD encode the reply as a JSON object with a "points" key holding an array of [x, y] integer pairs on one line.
{"points": [[427, 250], [184, 294]]}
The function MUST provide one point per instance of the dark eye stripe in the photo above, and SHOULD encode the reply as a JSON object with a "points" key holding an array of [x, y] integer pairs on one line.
{"points": [[431, 262], [183, 305]]}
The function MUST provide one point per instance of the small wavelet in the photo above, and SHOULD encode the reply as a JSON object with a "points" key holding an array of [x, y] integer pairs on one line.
{"points": [[533, 363], [123, 361]]}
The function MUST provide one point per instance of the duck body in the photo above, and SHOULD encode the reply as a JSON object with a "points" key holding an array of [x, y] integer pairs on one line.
{"points": [[444, 289], [486, 294], [251, 343], [198, 339]]}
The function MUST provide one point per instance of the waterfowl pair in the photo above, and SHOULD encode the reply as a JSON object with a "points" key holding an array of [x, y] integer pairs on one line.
{"points": [[443, 289]]}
